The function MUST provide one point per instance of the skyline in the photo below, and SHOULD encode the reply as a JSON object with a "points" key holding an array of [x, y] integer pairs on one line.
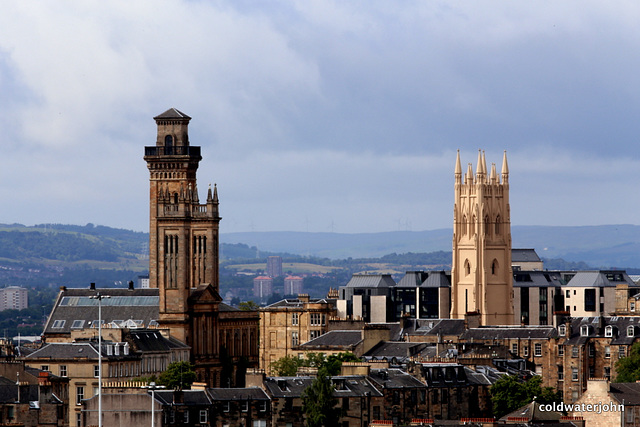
{"points": [[321, 116]]}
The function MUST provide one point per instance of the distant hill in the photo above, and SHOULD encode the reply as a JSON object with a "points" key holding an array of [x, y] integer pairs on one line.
{"points": [[602, 246]]}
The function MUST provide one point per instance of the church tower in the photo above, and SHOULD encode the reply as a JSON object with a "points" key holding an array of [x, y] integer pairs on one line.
{"points": [[481, 275], [183, 234]]}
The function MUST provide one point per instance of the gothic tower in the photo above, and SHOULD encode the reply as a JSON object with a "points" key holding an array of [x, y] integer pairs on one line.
{"points": [[183, 234], [481, 275]]}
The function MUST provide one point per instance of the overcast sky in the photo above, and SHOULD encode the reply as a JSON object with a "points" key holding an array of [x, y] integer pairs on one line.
{"points": [[321, 116]]}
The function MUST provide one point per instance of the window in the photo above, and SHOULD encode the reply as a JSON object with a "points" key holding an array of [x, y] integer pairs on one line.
{"points": [[607, 352], [562, 329], [526, 351], [185, 417], [226, 406], [589, 300], [537, 349], [622, 352], [560, 373], [584, 330], [79, 419], [574, 374], [630, 331], [592, 350], [315, 319], [607, 372], [314, 334], [295, 318], [514, 348], [63, 370], [77, 324], [632, 306], [44, 367], [294, 339], [608, 331], [96, 371], [79, 394], [58, 324], [560, 351], [263, 406], [204, 416], [568, 294], [575, 351], [260, 423], [244, 406]]}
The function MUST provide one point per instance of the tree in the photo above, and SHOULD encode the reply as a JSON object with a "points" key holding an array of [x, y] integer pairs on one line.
{"points": [[178, 375], [333, 364], [509, 394], [318, 403], [286, 366], [248, 306], [628, 368]]}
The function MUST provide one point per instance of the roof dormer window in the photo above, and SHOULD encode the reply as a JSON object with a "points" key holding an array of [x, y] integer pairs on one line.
{"points": [[608, 331], [562, 330], [584, 330], [630, 331]]}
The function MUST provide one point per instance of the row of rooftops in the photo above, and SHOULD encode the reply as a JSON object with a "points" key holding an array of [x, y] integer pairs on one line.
{"points": [[522, 278]]}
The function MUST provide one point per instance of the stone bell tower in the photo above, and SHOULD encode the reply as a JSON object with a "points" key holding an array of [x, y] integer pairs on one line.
{"points": [[183, 234], [481, 275]]}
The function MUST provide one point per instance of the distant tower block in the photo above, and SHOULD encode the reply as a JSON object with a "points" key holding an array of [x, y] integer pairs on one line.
{"points": [[262, 287], [481, 274], [274, 266], [293, 285]]}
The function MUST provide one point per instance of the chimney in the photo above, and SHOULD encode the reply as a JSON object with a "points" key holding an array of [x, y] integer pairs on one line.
{"points": [[92, 286], [303, 298], [130, 285]]}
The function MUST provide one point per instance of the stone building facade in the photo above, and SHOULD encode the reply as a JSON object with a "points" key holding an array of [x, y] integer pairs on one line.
{"points": [[184, 257], [481, 273]]}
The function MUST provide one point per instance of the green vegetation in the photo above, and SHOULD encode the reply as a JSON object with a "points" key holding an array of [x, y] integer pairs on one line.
{"points": [[178, 376], [318, 403], [288, 366], [510, 393], [628, 368]]}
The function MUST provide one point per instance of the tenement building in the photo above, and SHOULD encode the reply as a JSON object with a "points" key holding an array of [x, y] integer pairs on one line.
{"points": [[183, 256]]}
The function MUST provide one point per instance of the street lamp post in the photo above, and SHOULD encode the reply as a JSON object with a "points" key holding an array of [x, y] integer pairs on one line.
{"points": [[153, 387], [99, 297]]}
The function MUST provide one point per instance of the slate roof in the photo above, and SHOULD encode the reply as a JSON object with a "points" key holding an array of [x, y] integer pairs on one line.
{"points": [[189, 397], [597, 327], [400, 350], [235, 394], [172, 113], [65, 351], [509, 332], [297, 303], [412, 279], [371, 281], [392, 378], [532, 412], [149, 340], [9, 391], [437, 279], [536, 278], [346, 386], [75, 304], [441, 327], [524, 255], [599, 278], [343, 339], [627, 392]]}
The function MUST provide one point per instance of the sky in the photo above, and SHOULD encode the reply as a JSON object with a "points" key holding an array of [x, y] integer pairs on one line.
{"points": [[321, 116]]}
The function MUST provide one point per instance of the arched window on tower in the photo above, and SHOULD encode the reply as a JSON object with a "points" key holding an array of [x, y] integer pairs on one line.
{"points": [[497, 227], [464, 225], [168, 144], [472, 227], [175, 198], [487, 226], [467, 267], [494, 267]]}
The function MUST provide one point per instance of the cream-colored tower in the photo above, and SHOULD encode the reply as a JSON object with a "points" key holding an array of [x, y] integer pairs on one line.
{"points": [[481, 276]]}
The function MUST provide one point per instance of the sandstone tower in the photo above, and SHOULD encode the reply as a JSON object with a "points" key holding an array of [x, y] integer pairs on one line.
{"points": [[183, 234], [481, 275]]}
